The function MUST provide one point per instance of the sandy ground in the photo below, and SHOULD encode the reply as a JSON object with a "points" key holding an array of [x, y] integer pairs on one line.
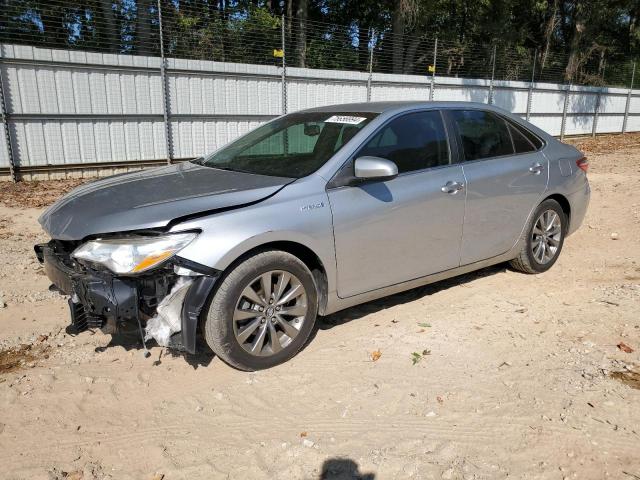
{"points": [[514, 376]]}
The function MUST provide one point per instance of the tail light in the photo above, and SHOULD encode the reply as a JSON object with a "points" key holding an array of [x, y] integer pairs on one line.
{"points": [[583, 164]]}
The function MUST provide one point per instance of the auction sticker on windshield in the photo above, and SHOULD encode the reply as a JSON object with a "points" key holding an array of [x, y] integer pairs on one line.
{"points": [[345, 119]]}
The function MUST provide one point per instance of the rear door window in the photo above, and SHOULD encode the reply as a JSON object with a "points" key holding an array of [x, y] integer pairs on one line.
{"points": [[483, 134]]}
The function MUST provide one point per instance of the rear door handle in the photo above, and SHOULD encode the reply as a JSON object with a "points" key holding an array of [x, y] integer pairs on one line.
{"points": [[452, 187], [536, 168]]}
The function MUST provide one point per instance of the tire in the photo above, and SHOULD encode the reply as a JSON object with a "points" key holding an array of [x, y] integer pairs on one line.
{"points": [[530, 260], [251, 339]]}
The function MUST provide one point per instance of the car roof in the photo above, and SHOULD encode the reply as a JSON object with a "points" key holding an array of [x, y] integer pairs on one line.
{"points": [[381, 107]]}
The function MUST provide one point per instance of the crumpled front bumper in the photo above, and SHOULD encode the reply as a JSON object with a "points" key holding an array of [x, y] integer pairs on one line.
{"points": [[103, 300]]}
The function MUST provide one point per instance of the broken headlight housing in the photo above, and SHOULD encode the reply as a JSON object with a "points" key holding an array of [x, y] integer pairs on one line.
{"points": [[133, 255]]}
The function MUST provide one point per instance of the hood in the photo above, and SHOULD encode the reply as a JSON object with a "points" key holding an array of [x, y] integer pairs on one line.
{"points": [[152, 198]]}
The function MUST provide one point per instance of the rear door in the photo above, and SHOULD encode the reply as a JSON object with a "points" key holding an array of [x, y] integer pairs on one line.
{"points": [[506, 176], [389, 232]]}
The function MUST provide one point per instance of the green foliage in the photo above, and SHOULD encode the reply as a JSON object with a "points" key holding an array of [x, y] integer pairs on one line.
{"points": [[582, 41], [415, 357]]}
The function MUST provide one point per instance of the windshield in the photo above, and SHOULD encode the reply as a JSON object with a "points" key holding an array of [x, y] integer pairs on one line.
{"points": [[292, 146]]}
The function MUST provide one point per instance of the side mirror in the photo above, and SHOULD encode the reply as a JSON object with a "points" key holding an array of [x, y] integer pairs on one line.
{"points": [[374, 168]]}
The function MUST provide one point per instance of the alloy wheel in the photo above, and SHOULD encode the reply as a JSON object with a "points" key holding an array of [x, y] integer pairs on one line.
{"points": [[546, 236], [269, 313]]}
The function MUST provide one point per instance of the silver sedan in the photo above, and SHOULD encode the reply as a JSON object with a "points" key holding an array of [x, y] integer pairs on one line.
{"points": [[311, 213]]}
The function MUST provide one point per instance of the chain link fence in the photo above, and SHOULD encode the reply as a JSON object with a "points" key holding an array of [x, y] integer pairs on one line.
{"points": [[173, 42], [199, 30]]}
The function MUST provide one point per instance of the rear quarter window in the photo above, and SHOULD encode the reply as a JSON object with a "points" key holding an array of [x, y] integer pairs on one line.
{"points": [[520, 142], [534, 139]]}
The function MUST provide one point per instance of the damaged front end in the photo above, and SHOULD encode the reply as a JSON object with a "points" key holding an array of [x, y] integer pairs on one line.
{"points": [[164, 298]]}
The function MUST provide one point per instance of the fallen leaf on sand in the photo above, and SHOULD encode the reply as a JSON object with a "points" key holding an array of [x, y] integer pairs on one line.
{"points": [[416, 357], [625, 348], [375, 355], [425, 325], [303, 434]]}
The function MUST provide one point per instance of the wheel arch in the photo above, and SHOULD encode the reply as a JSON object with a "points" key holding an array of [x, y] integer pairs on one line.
{"points": [[308, 256], [564, 204]]}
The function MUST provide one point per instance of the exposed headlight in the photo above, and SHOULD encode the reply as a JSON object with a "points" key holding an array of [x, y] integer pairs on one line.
{"points": [[134, 254]]}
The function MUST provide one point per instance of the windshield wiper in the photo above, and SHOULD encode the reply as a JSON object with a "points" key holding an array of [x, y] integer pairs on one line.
{"points": [[228, 169]]}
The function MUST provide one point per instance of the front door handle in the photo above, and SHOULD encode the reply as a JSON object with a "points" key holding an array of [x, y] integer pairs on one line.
{"points": [[536, 168], [452, 187]]}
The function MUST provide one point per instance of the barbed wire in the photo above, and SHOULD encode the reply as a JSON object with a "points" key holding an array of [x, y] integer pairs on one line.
{"points": [[255, 36]]}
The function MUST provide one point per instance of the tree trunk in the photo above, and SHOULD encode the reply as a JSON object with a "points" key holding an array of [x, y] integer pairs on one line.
{"points": [[463, 23], [301, 36], [288, 39], [409, 58], [55, 34], [363, 45], [222, 38], [143, 28], [107, 30], [579, 25], [548, 31], [601, 63], [398, 39], [634, 15]]}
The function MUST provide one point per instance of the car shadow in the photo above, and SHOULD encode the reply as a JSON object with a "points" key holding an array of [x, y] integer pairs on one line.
{"points": [[343, 468], [362, 310], [130, 340], [378, 191]]}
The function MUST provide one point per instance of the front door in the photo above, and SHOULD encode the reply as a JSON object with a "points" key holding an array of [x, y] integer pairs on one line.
{"points": [[506, 177], [394, 231]]}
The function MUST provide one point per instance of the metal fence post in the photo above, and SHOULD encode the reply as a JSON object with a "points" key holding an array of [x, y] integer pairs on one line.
{"points": [[564, 112], [493, 73], [370, 67], [626, 108], [433, 72], [284, 69], [533, 77], [165, 91], [5, 125]]}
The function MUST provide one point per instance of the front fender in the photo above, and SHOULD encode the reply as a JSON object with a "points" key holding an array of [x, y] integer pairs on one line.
{"points": [[293, 215], [267, 238]]}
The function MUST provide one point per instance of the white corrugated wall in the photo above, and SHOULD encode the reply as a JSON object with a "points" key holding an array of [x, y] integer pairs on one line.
{"points": [[74, 107]]}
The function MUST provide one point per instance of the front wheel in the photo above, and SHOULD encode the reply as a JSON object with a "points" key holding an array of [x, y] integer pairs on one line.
{"points": [[543, 239], [263, 311]]}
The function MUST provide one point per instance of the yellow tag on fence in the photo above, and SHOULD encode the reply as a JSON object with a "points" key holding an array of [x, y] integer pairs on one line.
{"points": [[278, 53], [432, 68]]}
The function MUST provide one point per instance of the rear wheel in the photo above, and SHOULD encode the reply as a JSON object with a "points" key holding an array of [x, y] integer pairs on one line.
{"points": [[543, 239], [263, 312]]}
